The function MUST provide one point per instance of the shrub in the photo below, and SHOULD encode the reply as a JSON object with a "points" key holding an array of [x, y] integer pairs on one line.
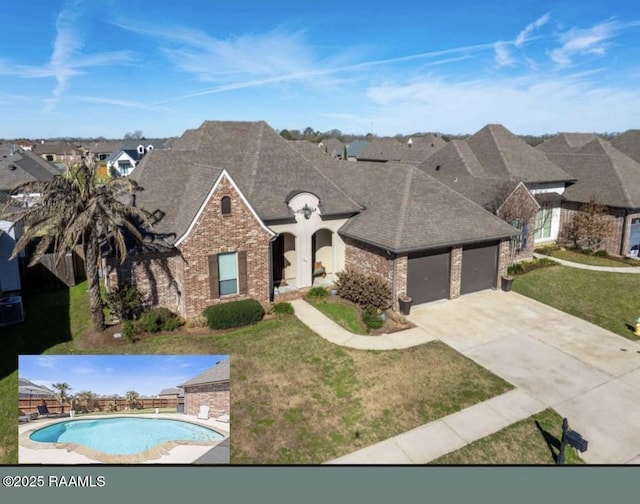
{"points": [[371, 318], [601, 253], [126, 303], [282, 308], [317, 293], [526, 266], [234, 314], [159, 319], [364, 290], [130, 330], [197, 321]]}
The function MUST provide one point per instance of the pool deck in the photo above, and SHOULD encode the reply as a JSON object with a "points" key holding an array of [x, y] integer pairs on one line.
{"points": [[181, 454]]}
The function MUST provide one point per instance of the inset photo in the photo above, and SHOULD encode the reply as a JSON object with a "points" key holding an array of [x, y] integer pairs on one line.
{"points": [[131, 409]]}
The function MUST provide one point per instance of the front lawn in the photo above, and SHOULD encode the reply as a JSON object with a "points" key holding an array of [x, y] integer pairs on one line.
{"points": [[296, 398], [344, 314], [592, 260], [534, 440], [609, 300]]}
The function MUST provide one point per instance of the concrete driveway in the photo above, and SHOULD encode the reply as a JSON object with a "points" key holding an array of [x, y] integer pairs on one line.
{"points": [[585, 373]]}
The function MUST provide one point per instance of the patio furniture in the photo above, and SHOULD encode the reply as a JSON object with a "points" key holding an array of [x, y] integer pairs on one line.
{"points": [[319, 270], [44, 411], [203, 414], [223, 418], [23, 417]]}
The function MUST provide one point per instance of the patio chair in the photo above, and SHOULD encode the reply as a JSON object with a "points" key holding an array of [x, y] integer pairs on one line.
{"points": [[44, 411], [23, 417], [203, 414], [223, 418]]}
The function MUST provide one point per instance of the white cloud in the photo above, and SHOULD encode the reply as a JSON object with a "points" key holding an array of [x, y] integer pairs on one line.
{"points": [[577, 42], [502, 55], [45, 361], [525, 34]]}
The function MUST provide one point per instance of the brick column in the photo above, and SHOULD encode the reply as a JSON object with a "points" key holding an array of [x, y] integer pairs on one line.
{"points": [[455, 272]]}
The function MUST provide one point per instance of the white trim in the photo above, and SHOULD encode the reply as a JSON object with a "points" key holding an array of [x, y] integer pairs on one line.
{"points": [[223, 174]]}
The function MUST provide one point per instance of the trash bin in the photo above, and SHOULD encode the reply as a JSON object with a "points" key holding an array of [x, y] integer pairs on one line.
{"points": [[405, 303], [507, 281]]}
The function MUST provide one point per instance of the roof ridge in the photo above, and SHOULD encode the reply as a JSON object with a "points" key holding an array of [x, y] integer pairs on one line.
{"points": [[397, 239], [607, 146], [500, 153], [256, 159]]}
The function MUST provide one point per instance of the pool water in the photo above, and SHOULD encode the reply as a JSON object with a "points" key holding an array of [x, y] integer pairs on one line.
{"points": [[124, 435]]}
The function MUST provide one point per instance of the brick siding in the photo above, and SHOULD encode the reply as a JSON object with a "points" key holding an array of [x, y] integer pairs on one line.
{"points": [[455, 272], [215, 395], [613, 244], [187, 272]]}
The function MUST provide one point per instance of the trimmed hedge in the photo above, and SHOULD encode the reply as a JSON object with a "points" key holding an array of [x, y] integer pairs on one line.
{"points": [[234, 314], [159, 319]]}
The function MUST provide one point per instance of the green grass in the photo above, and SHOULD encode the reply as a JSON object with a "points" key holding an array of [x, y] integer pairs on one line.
{"points": [[296, 398], [592, 260], [534, 440], [346, 315], [609, 300]]}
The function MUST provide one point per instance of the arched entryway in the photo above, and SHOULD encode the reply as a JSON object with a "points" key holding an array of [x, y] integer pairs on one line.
{"points": [[284, 258], [322, 254]]}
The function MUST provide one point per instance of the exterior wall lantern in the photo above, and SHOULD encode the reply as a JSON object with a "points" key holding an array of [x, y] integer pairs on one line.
{"points": [[306, 211]]}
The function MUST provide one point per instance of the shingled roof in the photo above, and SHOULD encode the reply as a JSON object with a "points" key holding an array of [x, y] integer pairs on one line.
{"points": [[18, 166], [265, 166], [628, 143], [504, 155], [566, 142], [406, 209], [391, 149], [218, 373], [602, 172]]}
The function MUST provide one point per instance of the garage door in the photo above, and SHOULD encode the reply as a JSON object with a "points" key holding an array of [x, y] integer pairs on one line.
{"points": [[479, 267], [428, 276]]}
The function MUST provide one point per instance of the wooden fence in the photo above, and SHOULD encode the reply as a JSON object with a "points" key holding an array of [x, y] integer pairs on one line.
{"points": [[100, 404]]}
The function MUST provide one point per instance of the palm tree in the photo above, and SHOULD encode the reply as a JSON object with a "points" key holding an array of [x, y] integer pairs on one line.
{"points": [[132, 398], [63, 396], [74, 209]]}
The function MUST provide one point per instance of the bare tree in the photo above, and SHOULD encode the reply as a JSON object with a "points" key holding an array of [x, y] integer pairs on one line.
{"points": [[591, 226]]}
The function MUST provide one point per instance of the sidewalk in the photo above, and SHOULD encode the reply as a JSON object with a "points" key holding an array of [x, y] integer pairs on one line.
{"points": [[571, 264], [430, 441]]}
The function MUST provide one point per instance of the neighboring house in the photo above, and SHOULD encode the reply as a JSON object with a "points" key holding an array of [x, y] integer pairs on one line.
{"points": [[122, 161], [354, 149], [482, 165], [209, 388], [333, 147], [26, 145], [628, 143], [58, 153], [244, 211], [604, 175], [414, 151]]}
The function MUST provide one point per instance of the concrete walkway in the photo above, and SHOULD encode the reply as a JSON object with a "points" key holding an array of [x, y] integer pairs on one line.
{"points": [[587, 374], [428, 442], [609, 269], [319, 323]]}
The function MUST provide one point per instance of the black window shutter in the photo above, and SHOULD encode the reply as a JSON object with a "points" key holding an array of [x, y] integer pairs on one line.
{"points": [[214, 291], [242, 271]]}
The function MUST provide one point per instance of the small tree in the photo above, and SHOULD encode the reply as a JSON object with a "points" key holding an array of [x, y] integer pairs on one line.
{"points": [[62, 393], [591, 226], [132, 398]]}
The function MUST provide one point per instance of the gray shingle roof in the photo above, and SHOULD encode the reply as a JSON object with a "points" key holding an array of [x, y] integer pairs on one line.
{"points": [[603, 173], [504, 155], [566, 142], [391, 149], [58, 148], [265, 166], [18, 166], [628, 143], [218, 373], [409, 210]]}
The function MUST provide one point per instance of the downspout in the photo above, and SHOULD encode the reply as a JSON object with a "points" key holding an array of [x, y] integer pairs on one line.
{"points": [[393, 283]]}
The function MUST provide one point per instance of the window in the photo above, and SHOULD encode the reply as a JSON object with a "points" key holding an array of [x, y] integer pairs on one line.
{"points": [[226, 205], [543, 224], [227, 274], [124, 167]]}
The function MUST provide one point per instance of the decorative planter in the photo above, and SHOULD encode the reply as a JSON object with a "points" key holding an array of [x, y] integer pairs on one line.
{"points": [[506, 283], [334, 292], [72, 413], [405, 303]]}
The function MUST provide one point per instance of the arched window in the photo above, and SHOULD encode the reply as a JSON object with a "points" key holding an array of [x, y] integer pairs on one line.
{"points": [[225, 205]]}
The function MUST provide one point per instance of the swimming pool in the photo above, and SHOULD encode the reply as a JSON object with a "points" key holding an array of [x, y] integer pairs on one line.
{"points": [[125, 436]]}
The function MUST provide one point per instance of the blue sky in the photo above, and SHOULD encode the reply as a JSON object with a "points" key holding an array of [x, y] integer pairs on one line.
{"points": [[114, 374], [106, 67]]}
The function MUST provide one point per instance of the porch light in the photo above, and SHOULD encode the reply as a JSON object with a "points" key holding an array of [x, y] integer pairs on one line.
{"points": [[307, 211]]}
